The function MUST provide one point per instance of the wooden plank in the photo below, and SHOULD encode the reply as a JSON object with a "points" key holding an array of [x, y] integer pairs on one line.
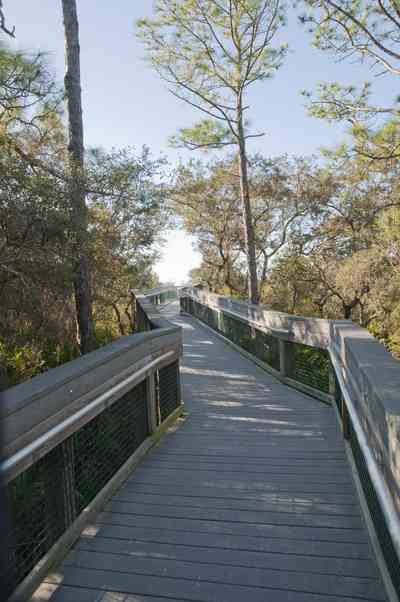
{"points": [[239, 576], [307, 519], [268, 496], [256, 504], [265, 446], [275, 458], [265, 469], [357, 550], [178, 472], [309, 439], [195, 590], [270, 531], [233, 557], [220, 416], [65, 593], [296, 486]]}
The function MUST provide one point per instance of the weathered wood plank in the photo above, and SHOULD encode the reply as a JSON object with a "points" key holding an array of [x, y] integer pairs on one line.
{"points": [[232, 515], [185, 588], [175, 474], [235, 542], [265, 469], [65, 593], [233, 557], [220, 527], [303, 458], [283, 485], [240, 576], [271, 496], [256, 504]]}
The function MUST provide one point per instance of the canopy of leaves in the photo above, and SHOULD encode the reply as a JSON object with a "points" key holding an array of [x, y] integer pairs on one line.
{"points": [[127, 215], [368, 32], [209, 52]]}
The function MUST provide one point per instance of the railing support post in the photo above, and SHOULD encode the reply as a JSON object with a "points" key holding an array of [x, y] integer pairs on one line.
{"points": [[60, 502], [152, 409], [179, 384], [286, 358], [332, 381], [345, 420], [68, 453]]}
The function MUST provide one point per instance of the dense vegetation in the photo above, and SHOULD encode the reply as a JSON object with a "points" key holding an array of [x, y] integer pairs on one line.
{"points": [[79, 228], [126, 213]]}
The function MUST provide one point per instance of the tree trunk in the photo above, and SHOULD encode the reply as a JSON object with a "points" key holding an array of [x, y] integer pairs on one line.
{"points": [[119, 319], [348, 307], [247, 214], [79, 218], [347, 311]]}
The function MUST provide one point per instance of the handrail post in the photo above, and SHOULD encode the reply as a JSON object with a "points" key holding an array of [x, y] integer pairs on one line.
{"points": [[332, 381], [334, 390], [345, 420], [152, 402], [68, 478], [286, 358], [179, 384]]}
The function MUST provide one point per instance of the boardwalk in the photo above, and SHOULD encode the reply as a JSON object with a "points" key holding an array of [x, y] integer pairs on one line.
{"points": [[248, 499]]}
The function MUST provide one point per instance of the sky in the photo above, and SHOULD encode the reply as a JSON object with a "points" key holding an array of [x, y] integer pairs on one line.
{"points": [[126, 104]]}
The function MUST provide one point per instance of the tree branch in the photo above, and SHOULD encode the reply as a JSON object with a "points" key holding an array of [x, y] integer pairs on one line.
{"points": [[3, 27]]}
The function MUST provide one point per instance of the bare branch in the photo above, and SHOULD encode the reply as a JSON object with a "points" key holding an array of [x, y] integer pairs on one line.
{"points": [[3, 27]]}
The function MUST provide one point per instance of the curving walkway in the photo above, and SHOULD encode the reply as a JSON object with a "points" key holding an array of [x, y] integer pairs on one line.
{"points": [[249, 498]]}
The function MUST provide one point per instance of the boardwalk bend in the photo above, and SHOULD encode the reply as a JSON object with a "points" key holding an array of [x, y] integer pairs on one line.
{"points": [[221, 453]]}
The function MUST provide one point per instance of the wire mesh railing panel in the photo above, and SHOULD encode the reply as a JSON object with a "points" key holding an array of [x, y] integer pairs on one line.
{"points": [[168, 390], [36, 503], [103, 445], [163, 297], [236, 331], [45, 499], [254, 341], [266, 348], [375, 509], [170, 295], [310, 366]]}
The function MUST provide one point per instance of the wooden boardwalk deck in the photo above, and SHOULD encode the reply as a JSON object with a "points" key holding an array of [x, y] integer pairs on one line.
{"points": [[249, 498]]}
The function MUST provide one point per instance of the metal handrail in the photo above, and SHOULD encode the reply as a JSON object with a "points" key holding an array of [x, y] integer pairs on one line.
{"points": [[382, 490], [32, 452]]}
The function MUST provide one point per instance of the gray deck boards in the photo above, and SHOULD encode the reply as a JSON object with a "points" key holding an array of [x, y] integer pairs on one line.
{"points": [[249, 498]]}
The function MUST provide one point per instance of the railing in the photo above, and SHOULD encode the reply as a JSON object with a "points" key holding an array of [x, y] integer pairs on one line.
{"points": [[294, 349], [73, 433], [160, 295], [338, 362]]}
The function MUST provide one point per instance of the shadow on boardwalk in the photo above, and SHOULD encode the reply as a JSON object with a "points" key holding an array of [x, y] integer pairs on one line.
{"points": [[248, 498]]}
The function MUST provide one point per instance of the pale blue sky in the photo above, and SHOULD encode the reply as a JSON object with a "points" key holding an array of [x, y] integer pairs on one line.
{"points": [[125, 103]]}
